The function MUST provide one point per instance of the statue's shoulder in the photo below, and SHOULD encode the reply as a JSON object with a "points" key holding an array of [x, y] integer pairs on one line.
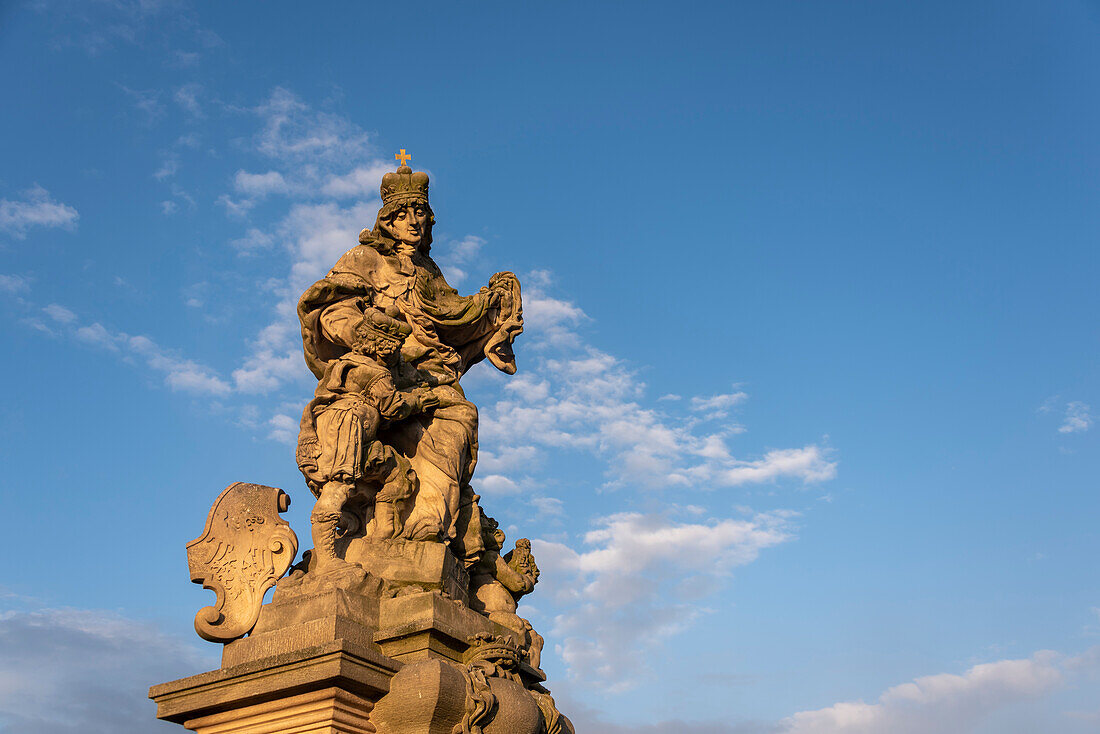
{"points": [[359, 260]]}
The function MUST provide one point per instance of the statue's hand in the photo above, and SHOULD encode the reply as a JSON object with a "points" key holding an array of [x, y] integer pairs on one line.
{"points": [[426, 399]]}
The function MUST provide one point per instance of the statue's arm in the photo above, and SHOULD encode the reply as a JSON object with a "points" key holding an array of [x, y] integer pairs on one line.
{"points": [[395, 405], [515, 582], [339, 320]]}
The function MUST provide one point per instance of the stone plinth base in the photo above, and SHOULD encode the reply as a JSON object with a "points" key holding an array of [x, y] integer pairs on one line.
{"points": [[339, 653], [328, 711], [358, 671]]}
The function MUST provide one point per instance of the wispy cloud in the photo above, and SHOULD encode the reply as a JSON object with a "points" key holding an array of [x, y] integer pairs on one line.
{"points": [[187, 97], [169, 166], [180, 373], [946, 702], [36, 209], [59, 313], [254, 239], [66, 671], [585, 399], [457, 255], [362, 181], [147, 102], [1077, 418], [316, 235], [259, 185], [638, 581], [296, 133], [283, 429], [718, 406], [98, 27], [14, 284]]}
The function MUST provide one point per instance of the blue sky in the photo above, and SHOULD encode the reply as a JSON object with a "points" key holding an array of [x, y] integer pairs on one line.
{"points": [[803, 430]]}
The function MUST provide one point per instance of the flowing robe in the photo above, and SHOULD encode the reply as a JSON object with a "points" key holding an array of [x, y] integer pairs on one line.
{"points": [[338, 440], [450, 334]]}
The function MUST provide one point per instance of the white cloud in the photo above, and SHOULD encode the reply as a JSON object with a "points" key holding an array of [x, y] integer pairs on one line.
{"points": [[548, 506], [254, 239], [315, 155], [60, 313], [517, 457], [97, 334], [168, 168], [456, 255], [36, 209], [362, 181], [1077, 418], [718, 405], [97, 27], [147, 101], [14, 284], [169, 208], [632, 587], [284, 429], [190, 140], [317, 234], [294, 132], [180, 374], [66, 671], [553, 321], [259, 185], [810, 464], [945, 702], [590, 401], [187, 97], [238, 208], [497, 484]]}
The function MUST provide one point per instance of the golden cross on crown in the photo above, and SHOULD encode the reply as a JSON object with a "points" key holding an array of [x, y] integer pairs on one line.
{"points": [[402, 157]]}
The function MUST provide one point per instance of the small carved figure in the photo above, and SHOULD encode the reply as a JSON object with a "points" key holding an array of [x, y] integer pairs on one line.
{"points": [[497, 584], [339, 452]]}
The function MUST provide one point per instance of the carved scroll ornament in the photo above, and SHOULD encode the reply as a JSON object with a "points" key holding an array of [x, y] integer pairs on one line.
{"points": [[245, 548]]}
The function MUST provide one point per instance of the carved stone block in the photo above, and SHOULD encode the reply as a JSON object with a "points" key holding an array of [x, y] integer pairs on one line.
{"points": [[421, 626], [412, 565]]}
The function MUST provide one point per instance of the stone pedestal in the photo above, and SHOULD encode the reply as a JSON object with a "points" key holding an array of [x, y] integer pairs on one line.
{"points": [[335, 653], [327, 711], [337, 682]]}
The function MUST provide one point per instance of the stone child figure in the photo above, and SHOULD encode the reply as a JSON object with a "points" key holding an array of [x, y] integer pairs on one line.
{"points": [[391, 269], [497, 584], [344, 463]]}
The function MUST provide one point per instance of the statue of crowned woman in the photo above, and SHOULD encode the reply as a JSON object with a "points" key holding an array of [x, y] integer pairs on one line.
{"points": [[389, 443], [405, 616]]}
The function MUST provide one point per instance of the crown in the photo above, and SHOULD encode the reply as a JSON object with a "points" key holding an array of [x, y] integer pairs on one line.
{"points": [[376, 323], [404, 186]]}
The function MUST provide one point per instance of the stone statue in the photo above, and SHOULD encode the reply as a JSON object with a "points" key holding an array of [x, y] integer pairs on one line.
{"points": [[391, 270], [496, 585], [402, 618]]}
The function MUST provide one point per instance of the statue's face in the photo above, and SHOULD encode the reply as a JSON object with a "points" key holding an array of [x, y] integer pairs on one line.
{"points": [[409, 224]]}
